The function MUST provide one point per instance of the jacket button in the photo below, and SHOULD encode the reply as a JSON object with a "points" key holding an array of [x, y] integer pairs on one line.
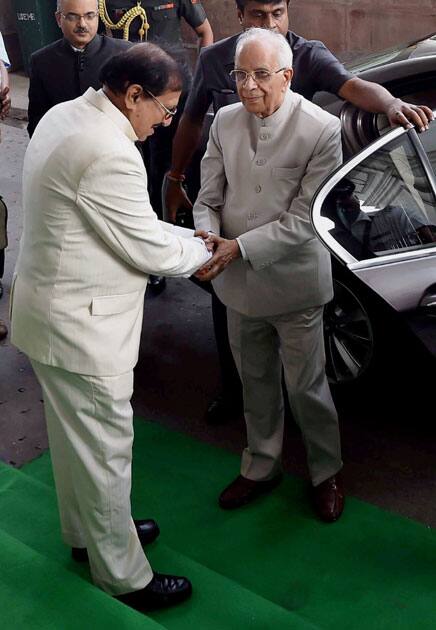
{"points": [[258, 189], [261, 162]]}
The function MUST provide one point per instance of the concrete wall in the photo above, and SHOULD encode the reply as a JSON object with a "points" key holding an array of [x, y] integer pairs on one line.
{"points": [[365, 25], [345, 26]]}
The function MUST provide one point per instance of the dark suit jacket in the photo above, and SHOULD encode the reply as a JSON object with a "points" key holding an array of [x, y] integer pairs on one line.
{"points": [[58, 73]]}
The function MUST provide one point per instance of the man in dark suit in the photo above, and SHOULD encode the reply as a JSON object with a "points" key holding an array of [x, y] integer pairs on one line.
{"points": [[66, 68]]}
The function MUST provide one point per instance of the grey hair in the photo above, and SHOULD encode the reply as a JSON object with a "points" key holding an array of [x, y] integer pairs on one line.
{"points": [[263, 35], [60, 2]]}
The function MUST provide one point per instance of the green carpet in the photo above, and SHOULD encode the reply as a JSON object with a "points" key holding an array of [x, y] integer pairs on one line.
{"points": [[267, 566]]}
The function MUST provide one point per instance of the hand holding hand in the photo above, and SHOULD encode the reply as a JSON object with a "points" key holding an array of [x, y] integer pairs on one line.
{"points": [[226, 252], [210, 244], [5, 103], [407, 115]]}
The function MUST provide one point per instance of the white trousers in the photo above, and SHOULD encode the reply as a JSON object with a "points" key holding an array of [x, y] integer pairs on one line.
{"points": [[90, 430], [260, 347]]}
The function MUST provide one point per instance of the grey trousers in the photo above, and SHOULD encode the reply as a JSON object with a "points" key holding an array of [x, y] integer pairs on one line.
{"points": [[260, 347], [90, 431]]}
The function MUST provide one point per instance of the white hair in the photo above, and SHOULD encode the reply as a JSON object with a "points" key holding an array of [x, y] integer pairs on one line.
{"points": [[262, 35]]}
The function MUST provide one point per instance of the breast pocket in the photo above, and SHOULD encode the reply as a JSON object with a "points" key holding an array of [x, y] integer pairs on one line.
{"points": [[290, 174]]}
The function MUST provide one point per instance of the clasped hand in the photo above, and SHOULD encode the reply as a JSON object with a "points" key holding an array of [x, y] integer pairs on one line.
{"points": [[224, 252]]}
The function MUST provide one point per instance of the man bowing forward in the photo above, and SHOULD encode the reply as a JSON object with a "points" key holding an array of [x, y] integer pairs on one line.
{"points": [[90, 241]]}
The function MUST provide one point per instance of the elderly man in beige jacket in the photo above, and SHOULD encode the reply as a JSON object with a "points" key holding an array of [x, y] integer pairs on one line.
{"points": [[90, 240], [265, 158]]}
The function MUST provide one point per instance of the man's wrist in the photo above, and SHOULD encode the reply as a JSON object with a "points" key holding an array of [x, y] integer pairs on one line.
{"points": [[176, 176]]}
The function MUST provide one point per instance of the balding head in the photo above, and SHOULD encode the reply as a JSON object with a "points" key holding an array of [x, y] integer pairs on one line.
{"points": [[78, 20]]}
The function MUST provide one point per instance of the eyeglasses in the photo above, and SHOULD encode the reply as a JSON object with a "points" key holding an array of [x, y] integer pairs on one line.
{"points": [[75, 17], [169, 113], [258, 76]]}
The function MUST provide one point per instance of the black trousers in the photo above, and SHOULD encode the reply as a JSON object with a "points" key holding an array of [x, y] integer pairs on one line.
{"points": [[157, 157], [230, 380]]}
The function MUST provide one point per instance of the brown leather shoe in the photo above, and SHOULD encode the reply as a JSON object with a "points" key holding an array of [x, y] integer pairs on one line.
{"points": [[242, 491], [328, 499], [3, 330]]}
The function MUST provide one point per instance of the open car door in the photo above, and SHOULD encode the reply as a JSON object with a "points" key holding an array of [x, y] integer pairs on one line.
{"points": [[377, 216]]}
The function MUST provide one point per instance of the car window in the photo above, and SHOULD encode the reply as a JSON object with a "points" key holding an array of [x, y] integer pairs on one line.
{"points": [[384, 205]]}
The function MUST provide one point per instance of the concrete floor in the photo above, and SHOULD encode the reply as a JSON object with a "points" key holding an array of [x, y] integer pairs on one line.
{"points": [[389, 440]]}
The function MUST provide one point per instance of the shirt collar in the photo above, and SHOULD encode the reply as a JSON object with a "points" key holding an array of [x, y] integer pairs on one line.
{"points": [[90, 48], [103, 103], [281, 114]]}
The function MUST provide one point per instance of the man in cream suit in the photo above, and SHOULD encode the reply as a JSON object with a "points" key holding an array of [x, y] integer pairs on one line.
{"points": [[90, 240], [265, 159]]}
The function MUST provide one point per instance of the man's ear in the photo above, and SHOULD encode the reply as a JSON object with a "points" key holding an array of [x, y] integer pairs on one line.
{"points": [[132, 95], [240, 16], [288, 74], [58, 18]]}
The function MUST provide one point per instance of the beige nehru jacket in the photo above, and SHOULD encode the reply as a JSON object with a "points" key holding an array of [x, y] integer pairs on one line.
{"points": [[258, 177]]}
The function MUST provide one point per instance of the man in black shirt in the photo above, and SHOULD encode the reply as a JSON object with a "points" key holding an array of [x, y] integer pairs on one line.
{"points": [[315, 69]]}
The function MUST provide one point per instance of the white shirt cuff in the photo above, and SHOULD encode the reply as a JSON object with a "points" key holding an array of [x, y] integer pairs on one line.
{"points": [[242, 248]]}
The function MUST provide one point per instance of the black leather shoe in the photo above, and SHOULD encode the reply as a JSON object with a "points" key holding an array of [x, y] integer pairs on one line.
{"points": [[161, 592], [328, 499], [156, 284], [147, 530], [242, 491]]}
